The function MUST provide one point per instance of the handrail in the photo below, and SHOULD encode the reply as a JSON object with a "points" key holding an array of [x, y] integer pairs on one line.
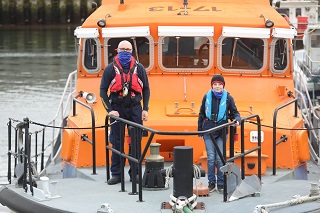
{"points": [[308, 112], [310, 65], [136, 135], [9, 152], [93, 127], [24, 156], [170, 132], [142, 156], [71, 87], [63, 111], [139, 159], [274, 130], [243, 153]]}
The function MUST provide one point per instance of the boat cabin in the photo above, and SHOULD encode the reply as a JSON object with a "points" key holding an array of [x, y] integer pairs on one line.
{"points": [[181, 46]]}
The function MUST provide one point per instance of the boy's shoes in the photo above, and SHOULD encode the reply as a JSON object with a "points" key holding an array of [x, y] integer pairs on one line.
{"points": [[220, 188], [114, 180], [212, 186]]}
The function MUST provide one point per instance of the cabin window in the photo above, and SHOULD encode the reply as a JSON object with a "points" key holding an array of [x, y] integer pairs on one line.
{"points": [[91, 55], [140, 49], [279, 51], [315, 41], [177, 53], [284, 11], [298, 12], [241, 54]]}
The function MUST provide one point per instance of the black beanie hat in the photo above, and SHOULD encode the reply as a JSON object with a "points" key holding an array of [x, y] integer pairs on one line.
{"points": [[218, 78]]}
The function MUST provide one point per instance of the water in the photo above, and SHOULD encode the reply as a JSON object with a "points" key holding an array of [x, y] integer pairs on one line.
{"points": [[34, 67]]}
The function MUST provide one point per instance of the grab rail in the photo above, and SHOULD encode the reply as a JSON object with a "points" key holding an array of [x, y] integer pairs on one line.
{"points": [[284, 137], [136, 139], [64, 108], [308, 112], [23, 154], [139, 159], [63, 111], [244, 153], [142, 156], [93, 127]]}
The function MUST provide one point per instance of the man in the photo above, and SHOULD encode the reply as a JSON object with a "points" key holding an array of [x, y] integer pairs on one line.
{"points": [[128, 83]]}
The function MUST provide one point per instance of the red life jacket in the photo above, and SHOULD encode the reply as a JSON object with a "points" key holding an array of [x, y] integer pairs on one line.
{"points": [[135, 84]]}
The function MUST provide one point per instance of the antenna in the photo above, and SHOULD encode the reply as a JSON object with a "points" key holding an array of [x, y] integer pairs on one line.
{"points": [[185, 4]]}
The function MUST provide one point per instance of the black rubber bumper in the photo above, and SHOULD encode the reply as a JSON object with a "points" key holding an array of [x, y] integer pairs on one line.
{"points": [[21, 204]]}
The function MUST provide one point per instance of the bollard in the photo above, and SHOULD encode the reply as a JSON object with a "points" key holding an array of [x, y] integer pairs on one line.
{"points": [[54, 189], [183, 171], [45, 185], [153, 178]]}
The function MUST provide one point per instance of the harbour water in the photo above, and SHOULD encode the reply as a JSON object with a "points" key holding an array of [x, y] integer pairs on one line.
{"points": [[34, 66]]}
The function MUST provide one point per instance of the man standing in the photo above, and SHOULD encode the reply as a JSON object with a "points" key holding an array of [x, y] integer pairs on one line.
{"points": [[128, 83]]}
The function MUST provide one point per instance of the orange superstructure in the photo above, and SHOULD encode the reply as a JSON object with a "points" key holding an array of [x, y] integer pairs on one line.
{"points": [[182, 44]]}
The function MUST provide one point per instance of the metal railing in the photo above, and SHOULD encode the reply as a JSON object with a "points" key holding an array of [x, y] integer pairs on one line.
{"points": [[84, 137], [309, 67], [141, 156], [51, 145], [64, 108], [283, 138], [243, 152], [308, 104]]}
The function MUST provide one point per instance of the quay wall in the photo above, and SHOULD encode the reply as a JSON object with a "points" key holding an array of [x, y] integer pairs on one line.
{"points": [[44, 12]]}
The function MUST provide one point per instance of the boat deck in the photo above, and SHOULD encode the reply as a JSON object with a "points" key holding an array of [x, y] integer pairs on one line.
{"points": [[86, 193]]}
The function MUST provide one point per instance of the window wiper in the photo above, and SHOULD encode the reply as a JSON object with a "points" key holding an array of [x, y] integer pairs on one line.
{"points": [[284, 52], [233, 50], [177, 52]]}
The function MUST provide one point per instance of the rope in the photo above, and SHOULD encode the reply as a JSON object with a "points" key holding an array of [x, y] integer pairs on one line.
{"points": [[281, 127], [196, 175], [168, 175], [297, 200], [57, 127], [104, 126], [196, 172], [186, 209], [178, 204], [316, 27], [54, 127]]}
